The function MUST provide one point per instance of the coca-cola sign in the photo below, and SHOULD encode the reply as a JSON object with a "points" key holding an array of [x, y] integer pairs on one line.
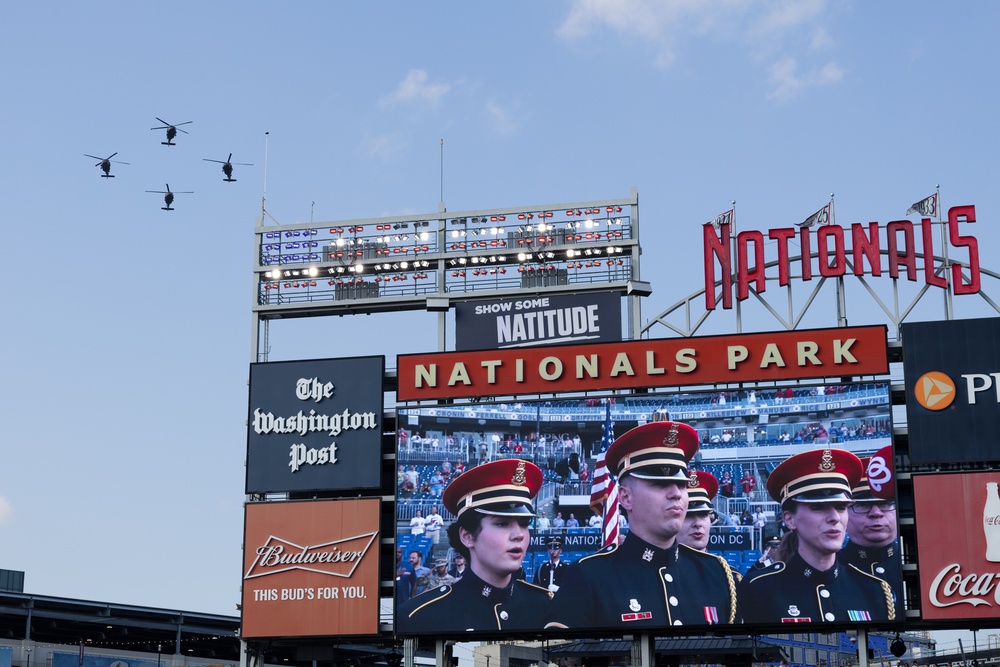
{"points": [[958, 576], [310, 568]]}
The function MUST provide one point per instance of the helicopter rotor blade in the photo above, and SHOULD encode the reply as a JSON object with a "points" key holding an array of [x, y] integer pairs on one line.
{"points": [[187, 122], [230, 158], [207, 159]]}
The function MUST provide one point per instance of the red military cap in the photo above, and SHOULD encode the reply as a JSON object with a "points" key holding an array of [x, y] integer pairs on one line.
{"points": [[816, 476], [657, 450], [862, 491], [504, 487], [702, 487]]}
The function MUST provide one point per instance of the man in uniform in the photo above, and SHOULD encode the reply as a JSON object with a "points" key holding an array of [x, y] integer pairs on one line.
{"points": [[550, 572], [492, 508], [650, 580], [872, 532], [809, 583]]}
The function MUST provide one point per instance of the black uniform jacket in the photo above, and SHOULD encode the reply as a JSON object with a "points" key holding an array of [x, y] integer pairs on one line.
{"points": [[470, 604], [547, 574], [883, 562], [638, 585], [795, 592]]}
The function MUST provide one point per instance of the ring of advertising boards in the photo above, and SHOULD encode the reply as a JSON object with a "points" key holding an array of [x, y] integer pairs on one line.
{"points": [[742, 507]]}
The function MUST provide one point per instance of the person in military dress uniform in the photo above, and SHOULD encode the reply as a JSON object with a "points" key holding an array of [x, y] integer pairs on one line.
{"points": [[650, 580], [696, 531], [492, 506], [872, 533], [550, 572], [810, 583]]}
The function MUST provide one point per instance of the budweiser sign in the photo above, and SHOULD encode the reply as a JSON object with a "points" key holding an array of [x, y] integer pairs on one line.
{"points": [[835, 259], [338, 558], [959, 578], [310, 568]]}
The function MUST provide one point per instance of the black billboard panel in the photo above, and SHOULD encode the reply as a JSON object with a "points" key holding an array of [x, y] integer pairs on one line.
{"points": [[538, 320], [315, 425], [565, 576], [952, 375]]}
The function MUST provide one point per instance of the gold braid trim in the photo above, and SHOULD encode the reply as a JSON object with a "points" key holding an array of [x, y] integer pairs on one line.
{"points": [[731, 581], [890, 602]]}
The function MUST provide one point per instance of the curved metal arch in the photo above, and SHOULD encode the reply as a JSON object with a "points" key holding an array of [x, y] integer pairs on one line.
{"points": [[692, 313]]}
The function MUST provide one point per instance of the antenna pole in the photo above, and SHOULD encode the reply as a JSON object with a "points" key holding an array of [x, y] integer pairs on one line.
{"points": [[441, 206], [263, 197]]}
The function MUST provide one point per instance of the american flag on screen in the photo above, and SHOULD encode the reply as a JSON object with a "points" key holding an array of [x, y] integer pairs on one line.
{"points": [[604, 491]]}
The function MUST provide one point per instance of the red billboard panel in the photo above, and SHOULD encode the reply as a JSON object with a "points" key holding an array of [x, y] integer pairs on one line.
{"points": [[958, 575], [310, 568], [781, 355]]}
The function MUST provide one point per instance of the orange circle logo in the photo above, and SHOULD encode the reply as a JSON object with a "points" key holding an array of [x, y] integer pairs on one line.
{"points": [[934, 390]]}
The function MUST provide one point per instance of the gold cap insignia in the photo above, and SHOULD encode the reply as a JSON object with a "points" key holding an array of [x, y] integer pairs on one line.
{"points": [[519, 478], [827, 464]]}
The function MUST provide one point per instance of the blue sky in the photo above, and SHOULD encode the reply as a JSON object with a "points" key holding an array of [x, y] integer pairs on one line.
{"points": [[127, 329]]}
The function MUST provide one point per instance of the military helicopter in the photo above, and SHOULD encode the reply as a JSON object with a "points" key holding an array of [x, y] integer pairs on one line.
{"points": [[227, 166], [168, 197], [171, 130], [105, 164]]}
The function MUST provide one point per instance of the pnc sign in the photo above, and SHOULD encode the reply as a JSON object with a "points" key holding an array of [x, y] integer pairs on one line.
{"points": [[952, 374]]}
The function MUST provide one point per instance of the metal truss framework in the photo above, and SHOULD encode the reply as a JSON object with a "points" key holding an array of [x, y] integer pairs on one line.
{"points": [[689, 315]]}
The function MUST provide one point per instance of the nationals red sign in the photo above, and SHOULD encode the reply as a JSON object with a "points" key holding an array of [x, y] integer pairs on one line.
{"points": [[831, 243], [782, 355], [959, 576]]}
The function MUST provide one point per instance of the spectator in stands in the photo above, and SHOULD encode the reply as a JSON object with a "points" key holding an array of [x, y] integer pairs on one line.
{"points": [[814, 489], [759, 518], [518, 448], [458, 569], [542, 521], [405, 578], [418, 524], [413, 476], [596, 521], [446, 466], [400, 477], [572, 521], [493, 505], [748, 483], [439, 576], [559, 522], [434, 524], [727, 487], [459, 468], [420, 572], [746, 518], [437, 483]]}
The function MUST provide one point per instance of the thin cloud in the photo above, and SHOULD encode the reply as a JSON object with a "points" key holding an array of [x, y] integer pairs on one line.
{"points": [[775, 34], [788, 82], [416, 88], [6, 511], [501, 119]]}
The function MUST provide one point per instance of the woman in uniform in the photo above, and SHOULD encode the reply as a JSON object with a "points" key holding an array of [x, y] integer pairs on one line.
{"points": [[809, 583], [492, 506]]}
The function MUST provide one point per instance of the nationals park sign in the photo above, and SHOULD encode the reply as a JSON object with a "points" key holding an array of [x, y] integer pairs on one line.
{"points": [[830, 244], [782, 355]]}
